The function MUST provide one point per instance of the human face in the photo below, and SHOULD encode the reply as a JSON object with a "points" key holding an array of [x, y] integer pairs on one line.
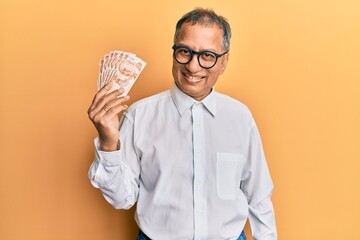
{"points": [[191, 78]]}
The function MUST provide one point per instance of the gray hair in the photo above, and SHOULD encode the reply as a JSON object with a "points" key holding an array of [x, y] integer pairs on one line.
{"points": [[206, 17]]}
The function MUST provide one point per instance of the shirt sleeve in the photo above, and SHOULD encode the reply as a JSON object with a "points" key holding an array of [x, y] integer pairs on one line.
{"points": [[116, 173], [262, 220], [257, 186]]}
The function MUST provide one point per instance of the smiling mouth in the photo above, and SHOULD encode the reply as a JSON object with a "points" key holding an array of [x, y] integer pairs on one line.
{"points": [[193, 78]]}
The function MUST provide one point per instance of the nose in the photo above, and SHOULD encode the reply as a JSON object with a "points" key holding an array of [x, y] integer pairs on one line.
{"points": [[193, 66]]}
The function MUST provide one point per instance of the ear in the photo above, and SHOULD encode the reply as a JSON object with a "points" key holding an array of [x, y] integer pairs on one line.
{"points": [[224, 62]]}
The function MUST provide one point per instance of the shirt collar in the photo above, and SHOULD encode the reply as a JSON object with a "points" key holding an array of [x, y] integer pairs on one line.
{"points": [[184, 102]]}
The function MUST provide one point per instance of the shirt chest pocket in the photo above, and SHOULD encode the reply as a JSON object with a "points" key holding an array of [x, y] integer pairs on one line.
{"points": [[229, 167]]}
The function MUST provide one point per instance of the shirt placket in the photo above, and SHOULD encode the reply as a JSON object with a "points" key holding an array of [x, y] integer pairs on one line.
{"points": [[200, 211]]}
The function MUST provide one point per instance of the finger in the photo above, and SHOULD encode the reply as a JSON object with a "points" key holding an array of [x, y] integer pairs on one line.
{"points": [[102, 109], [103, 97], [100, 94], [92, 111], [116, 101], [111, 99], [115, 110], [108, 108], [106, 115]]}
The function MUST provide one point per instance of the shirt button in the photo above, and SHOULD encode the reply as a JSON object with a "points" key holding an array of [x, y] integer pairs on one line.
{"points": [[105, 159], [96, 177]]}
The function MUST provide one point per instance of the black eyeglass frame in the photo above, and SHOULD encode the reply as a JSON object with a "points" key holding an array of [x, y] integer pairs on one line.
{"points": [[192, 52]]}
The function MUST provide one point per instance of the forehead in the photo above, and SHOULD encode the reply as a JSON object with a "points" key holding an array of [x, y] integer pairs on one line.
{"points": [[201, 36]]}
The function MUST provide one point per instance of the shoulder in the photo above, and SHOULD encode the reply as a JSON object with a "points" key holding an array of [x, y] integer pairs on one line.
{"points": [[231, 103], [233, 107], [149, 102]]}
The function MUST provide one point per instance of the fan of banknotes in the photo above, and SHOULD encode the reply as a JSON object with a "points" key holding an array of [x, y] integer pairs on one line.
{"points": [[122, 67]]}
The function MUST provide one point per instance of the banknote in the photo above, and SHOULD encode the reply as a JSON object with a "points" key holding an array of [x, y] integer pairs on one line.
{"points": [[121, 67]]}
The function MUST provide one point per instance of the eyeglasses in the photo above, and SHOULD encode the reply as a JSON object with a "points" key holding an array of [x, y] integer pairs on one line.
{"points": [[206, 59]]}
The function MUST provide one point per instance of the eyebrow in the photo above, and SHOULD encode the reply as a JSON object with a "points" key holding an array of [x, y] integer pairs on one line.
{"points": [[203, 50]]}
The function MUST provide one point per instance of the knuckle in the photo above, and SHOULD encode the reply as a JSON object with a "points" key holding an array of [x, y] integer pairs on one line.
{"points": [[102, 122], [105, 99], [96, 97], [97, 94], [101, 99], [97, 119], [89, 111], [91, 115], [110, 110]]}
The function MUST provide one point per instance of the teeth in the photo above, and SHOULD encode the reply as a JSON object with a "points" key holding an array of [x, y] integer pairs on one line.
{"points": [[193, 77]]}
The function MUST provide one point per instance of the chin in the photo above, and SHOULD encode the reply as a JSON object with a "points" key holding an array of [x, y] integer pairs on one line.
{"points": [[192, 91]]}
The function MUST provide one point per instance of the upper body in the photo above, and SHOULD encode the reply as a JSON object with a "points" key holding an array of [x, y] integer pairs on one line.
{"points": [[195, 164], [191, 158]]}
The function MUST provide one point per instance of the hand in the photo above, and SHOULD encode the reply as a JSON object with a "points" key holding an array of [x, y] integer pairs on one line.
{"points": [[103, 112]]}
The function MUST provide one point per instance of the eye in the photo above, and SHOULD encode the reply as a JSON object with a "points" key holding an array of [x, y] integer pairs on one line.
{"points": [[183, 51], [208, 56]]}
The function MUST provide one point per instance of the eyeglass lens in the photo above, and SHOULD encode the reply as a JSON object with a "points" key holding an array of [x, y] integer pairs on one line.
{"points": [[206, 59]]}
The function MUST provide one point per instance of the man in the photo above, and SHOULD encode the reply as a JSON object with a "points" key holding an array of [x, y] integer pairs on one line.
{"points": [[190, 157]]}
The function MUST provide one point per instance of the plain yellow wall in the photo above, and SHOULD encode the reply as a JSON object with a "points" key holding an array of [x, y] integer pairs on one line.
{"points": [[294, 63]]}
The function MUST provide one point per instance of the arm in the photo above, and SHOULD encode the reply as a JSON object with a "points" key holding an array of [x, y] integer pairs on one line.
{"points": [[116, 173], [109, 171], [262, 220], [257, 186]]}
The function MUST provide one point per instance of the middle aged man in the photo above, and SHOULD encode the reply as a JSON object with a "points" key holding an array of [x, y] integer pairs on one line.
{"points": [[190, 157]]}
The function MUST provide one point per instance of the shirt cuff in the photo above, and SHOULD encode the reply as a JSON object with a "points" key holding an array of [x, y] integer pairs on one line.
{"points": [[262, 220], [107, 158]]}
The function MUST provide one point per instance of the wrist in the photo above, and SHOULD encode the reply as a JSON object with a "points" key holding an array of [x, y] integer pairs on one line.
{"points": [[110, 147]]}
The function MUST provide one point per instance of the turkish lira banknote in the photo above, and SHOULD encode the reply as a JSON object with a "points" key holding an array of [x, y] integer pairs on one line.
{"points": [[121, 67]]}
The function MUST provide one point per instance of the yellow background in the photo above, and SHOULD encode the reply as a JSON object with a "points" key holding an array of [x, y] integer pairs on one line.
{"points": [[294, 63]]}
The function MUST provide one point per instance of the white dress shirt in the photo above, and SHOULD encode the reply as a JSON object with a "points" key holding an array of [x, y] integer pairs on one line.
{"points": [[197, 170]]}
